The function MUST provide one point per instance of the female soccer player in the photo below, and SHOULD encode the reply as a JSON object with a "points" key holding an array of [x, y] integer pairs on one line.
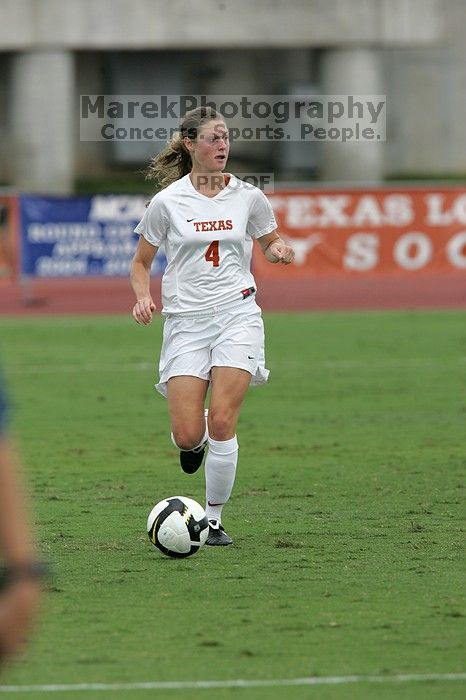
{"points": [[213, 332]]}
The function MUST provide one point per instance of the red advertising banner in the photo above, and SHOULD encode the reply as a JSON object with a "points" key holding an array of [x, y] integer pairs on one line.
{"points": [[363, 233]]}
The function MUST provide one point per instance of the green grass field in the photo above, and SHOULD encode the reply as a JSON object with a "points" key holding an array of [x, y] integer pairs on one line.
{"points": [[346, 514]]}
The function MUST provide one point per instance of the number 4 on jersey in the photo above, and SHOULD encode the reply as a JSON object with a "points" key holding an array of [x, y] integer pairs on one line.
{"points": [[212, 255]]}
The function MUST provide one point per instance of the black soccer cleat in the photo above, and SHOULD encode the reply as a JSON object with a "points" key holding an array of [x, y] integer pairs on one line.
{"points": [[217, 535], [191, 460]]}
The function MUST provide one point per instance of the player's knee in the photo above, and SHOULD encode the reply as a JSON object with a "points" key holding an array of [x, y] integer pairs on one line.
{"points": [[186, 438], [221, 424]]}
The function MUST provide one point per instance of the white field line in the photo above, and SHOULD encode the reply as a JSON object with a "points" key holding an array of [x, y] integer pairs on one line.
{"points": [[374, 364], [235, 683]]}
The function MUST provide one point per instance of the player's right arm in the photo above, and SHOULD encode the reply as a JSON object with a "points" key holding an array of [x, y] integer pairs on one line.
{"points": [[140, 281]]}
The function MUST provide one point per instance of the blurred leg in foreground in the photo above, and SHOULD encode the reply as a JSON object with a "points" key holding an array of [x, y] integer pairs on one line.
{"points": [[21, 573]]}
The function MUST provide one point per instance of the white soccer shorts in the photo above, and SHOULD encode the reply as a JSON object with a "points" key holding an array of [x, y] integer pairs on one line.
{"points": [[233, 338]]}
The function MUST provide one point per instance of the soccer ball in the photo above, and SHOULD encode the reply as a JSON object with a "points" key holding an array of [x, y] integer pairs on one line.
{"points": [[178, 526]]}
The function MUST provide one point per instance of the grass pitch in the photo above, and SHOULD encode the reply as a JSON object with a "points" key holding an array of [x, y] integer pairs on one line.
{"points": [[346, 513]]}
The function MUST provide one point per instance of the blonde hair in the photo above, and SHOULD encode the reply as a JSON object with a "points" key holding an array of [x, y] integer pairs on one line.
{"points": [[174, 162]]}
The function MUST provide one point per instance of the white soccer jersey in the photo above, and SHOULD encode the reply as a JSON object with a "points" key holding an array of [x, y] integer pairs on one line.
{"points": [[207, 242]]}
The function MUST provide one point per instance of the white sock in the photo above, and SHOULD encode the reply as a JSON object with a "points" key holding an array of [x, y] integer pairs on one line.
{"points": [[220, 472]]}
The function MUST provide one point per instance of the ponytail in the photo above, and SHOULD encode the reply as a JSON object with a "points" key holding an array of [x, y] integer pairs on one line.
{"points": [[171, 164]]}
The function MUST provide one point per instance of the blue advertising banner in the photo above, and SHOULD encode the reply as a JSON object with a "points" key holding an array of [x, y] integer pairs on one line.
{"points": [[80, 236]]}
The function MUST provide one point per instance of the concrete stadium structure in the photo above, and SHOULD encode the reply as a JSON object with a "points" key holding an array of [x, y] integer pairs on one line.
{"points": [[411, 50]]}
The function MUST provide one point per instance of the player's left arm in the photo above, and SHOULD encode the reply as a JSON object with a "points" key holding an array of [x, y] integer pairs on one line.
{"points": [[275, 249]]}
